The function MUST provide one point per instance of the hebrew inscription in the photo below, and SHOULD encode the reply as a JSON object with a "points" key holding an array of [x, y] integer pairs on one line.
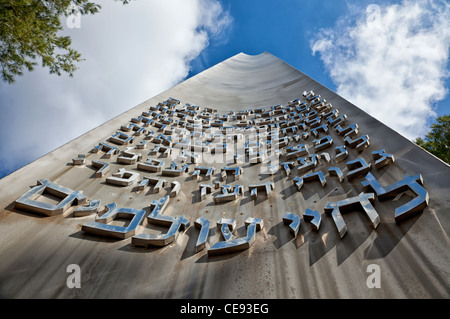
{"points": [[244, 161]]}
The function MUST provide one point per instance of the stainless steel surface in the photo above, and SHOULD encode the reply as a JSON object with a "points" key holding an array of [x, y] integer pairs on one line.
{"points": [[412, 253]]}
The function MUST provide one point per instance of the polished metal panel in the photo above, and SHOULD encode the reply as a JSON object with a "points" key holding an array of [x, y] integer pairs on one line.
{"points": [[253, 89]]}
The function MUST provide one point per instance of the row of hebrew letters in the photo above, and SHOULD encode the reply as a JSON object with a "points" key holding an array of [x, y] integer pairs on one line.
{"points": [[101, 226]]}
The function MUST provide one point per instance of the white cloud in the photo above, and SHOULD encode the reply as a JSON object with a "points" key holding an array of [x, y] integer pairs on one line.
{"points": [[391, 61], [132, 53]]}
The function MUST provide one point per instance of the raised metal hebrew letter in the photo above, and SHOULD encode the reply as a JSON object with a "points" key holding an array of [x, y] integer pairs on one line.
{"points": [[151, 165], [357, 167], [121, 139], [229, 193], [341, 153], [336, 171], [208, 171], [202, 224], [315, 176], [110, 150], [382, 158], [413, 183], [174, 170], [28, 201], [235, 171], [359, 144], [266, 187], [128, 157], [103, 168], [287, 166], [92, 208], [348, 131], [175, 223], [235, 244], [307, 163], [314, 217], [293, 221], [123, 178], [322, 143], [362, 201], [79, 160], [101, 226]]}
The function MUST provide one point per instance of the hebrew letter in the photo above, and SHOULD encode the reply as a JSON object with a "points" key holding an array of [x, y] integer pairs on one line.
{"points": [[232, 245], [363, 201], [28, 200], [101, 226]]}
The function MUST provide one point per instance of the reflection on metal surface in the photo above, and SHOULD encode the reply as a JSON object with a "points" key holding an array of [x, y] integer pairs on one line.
{"points": [[322, 143], [382, 158], [92, 208], [336, 171], [341, 153], [357, 168], [79, 160], [229, 193], [101, 226], [110, 150], [202, 224], [307, 163], [315, 176], [123, 178], [156, 217], [362, 201], [103, 168], [293, 221], [151, 165], [314, 217], [360, 144], [28, 201], [413, 183], [254, 138], [266, 187], [232, 245]]}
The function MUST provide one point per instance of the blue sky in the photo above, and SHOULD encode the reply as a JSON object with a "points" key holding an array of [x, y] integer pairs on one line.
{"points": [[376, 54], [284, 29]]}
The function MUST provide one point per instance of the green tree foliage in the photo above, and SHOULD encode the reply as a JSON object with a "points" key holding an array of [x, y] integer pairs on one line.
{"points": [[28, 33], [437, 141]]}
